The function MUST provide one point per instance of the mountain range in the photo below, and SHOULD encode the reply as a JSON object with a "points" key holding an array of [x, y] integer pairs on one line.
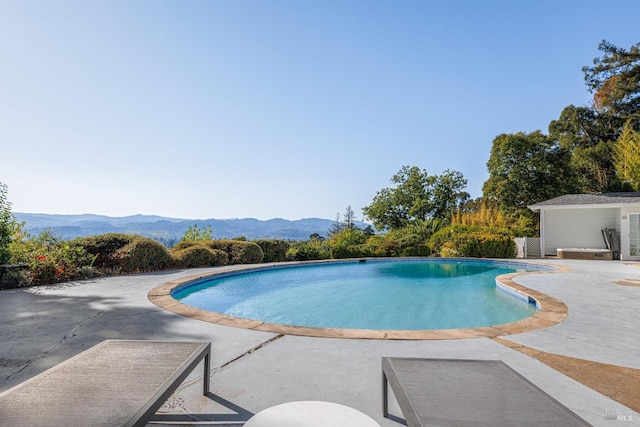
{"points": [[170, 230]]}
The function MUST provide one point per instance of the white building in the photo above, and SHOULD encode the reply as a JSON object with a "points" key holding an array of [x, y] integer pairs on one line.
{"points": [[577, 221]]}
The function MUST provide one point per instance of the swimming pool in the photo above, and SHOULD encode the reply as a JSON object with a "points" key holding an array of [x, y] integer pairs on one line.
{"points": [[406, 294]]}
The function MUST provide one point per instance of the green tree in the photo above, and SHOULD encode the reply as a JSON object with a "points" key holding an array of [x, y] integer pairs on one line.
{"points": [[194, 233], [349, 218], [448, 194], [349, 243], [587, 134], [526, 169], [316, 236], [336, 227], [627, 157], [368, 231], [7, 225], [393, 207], [349, 222], [590, 132], [614, 79], [416, 196]]}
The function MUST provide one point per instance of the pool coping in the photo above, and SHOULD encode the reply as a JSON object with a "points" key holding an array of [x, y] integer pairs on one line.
{"points": [[551, 310]]}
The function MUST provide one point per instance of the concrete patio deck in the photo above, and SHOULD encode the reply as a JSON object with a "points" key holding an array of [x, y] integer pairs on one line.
{"points": [[253, 370]]}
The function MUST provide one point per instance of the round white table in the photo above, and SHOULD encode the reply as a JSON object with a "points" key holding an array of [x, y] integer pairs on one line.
{"points": [[310, 413]]}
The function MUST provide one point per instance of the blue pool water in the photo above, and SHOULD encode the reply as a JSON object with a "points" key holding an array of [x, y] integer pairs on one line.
{"points": [[377, 294]]}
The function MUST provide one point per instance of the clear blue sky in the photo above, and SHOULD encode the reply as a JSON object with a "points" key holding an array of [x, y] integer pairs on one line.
{"points": [[291, 109]]}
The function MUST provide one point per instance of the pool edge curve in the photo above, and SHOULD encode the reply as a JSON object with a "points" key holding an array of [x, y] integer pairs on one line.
{"points": [[551, 311]]}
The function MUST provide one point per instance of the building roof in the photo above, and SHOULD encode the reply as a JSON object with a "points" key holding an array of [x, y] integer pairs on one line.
{"points": [[589, 199]]}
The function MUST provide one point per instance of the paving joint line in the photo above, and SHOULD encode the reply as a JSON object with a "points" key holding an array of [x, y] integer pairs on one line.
{"points": [[246, 353], [217, 369]]}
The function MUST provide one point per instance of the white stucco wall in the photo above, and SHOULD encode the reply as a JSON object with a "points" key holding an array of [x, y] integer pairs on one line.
{"points": [[577, 228]]}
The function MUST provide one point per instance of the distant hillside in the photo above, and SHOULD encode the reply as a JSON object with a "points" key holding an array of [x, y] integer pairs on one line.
{"points": [[170, 230]]}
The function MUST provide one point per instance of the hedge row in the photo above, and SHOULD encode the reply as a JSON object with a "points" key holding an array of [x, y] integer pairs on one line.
{"points": [[451, 241], [273, 250], [46, 259], [198, 256], [122, 253], [116, 253], [50, 260], [469, 241], [235, 251]]}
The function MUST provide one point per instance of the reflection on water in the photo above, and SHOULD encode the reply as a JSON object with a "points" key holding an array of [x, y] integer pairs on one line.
{"points": [[433, 269]]}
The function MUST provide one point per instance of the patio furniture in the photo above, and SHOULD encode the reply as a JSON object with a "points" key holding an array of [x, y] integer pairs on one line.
{"points": [[446, 392], [115, 383], [310, 414]]}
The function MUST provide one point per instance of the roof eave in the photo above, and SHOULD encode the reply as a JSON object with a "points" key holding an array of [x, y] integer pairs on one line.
{"points": [[537, 208]]}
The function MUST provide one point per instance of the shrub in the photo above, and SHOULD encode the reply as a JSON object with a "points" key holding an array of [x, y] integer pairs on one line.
{"points": [[488, 215], [194, 233], [385, 246], [49, 259], [404, 242], [144, 254], [447, 234], [186, 244], [485, 245], [105, 247], [417, 250], [354, 251], [372, 244], [348, 244], [447, 251], [238, 251], [413, 245], [7, 225], [307, 252], [198, 256], [15, 277], [477, 242], [273, 250]]}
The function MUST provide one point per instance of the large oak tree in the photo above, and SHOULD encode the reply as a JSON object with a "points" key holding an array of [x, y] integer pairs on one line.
{"points": [[588, 134], [417, 196], [527, 168]]}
